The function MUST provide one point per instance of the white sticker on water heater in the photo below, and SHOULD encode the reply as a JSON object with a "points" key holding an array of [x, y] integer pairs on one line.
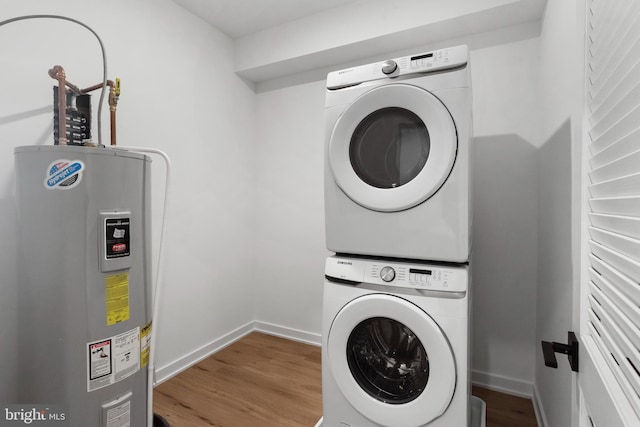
{"points": [[63, 174], [120, 416], [113, 359]]}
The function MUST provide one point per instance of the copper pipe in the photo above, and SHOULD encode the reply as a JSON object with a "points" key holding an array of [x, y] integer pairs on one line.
{"points": [[57, 73], [113, 98], [112, 116], [75, 89], [113, 102], [97, 86], [114, 94]]}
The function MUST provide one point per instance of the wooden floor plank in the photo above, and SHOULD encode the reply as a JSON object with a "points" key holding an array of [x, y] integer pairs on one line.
{"points": [[266, 381], [505, 410], [258, 381]]}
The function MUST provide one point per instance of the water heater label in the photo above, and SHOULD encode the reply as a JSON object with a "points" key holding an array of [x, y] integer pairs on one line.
{"points": [[117, 298], [145, 345], [100, 360], [64, 174], [113, 359], [117, 238], [120, 416]]}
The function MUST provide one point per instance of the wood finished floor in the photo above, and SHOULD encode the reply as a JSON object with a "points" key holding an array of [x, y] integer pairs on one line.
{"points": [[265, 381]]}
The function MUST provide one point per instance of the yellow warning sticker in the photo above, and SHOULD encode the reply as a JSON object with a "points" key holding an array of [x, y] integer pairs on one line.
{"points": [[117, 296], [145, 345]]}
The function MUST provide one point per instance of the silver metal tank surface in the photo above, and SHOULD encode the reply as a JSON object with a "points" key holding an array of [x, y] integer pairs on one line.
{"points": [[84, 277]]}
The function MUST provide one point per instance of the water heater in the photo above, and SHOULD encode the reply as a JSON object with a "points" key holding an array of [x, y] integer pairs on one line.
{"points": [[84, 277]]}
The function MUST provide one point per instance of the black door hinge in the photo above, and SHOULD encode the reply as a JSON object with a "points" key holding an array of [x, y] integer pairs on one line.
{"points": [[549, 350]]}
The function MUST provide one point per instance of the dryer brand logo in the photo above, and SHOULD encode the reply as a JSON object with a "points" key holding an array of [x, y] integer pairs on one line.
{"points": [[64, 174], [40, 415], [345, 262]]}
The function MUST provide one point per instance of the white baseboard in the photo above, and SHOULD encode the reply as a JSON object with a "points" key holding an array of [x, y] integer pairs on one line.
{"points": [[188, 360], [502, 384], [289, 333], [538, 408]]}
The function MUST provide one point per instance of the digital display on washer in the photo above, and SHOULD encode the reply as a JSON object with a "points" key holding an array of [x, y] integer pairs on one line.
{"points": [[419, 271], [426, 55]]}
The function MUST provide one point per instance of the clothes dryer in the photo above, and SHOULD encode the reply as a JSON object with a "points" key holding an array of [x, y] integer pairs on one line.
{"points": [[397, 158], [396, 344]]}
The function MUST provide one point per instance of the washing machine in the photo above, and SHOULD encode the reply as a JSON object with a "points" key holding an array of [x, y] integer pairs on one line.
{"points": [[397, 158], [396, 344]]}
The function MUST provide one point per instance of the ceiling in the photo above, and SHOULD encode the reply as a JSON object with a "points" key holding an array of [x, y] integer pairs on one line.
{"points": [[275, 39], [237, 18]]}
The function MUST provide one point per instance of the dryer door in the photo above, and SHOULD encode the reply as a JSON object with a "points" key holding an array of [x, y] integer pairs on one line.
{"points": [[393, 147], [391, 361]]}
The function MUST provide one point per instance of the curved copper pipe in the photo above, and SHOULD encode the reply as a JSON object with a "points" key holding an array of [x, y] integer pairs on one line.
{"points": [[57, 73]]}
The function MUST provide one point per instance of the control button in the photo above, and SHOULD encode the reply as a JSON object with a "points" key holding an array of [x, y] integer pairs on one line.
{"points": [[389, 66], [387, 274]]}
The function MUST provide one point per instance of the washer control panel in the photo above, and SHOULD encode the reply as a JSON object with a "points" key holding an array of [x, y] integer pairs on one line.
{"points": [[399, 274], [426, 62]]}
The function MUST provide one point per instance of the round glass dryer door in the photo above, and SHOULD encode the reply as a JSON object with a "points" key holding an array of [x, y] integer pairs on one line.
{"points": [[393, 147], [391, 361]]}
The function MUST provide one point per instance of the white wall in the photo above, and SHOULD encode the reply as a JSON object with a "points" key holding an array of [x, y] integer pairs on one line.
{"points": [[505, 90], [559, 191], [179, 94], [289, 210], [554, 304], [505, 214]]}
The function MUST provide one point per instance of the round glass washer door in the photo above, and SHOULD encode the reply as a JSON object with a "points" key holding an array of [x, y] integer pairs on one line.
{"points": [[393, 148], [391, 361]]}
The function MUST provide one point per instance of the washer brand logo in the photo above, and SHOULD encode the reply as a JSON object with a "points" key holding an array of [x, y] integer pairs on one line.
{"points": [[345, 262], [41, 415], [350, 70], [63, 174]]}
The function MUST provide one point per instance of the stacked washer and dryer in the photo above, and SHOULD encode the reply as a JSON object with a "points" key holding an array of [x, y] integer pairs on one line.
{"points": [[396, 299]]}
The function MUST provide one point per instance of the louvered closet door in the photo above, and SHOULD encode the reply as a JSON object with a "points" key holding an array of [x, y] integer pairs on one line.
{"points": [[610, 358]]}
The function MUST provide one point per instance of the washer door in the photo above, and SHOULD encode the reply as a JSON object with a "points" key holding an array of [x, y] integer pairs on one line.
{"points": [[393, 147], [391, 361]]}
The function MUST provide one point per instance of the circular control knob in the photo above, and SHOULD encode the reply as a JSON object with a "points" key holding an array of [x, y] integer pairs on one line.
{"points": [[387, 274], [389, 66]]}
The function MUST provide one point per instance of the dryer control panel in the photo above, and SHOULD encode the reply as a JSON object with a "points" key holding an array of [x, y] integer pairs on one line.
{"points": [[422, 63], [399, 274]]}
